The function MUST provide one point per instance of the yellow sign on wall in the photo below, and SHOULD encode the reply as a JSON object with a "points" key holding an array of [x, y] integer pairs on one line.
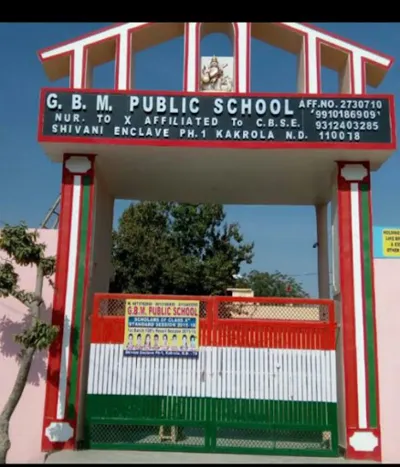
{"points": [[161, 328], [391, 243]]}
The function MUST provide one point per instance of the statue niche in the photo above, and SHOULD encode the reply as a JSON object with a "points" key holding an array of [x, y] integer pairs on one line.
{"points": [[216, 74]]}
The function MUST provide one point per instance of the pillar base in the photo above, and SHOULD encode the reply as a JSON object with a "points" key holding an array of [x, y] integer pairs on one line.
{"points": [[364, 445], [58, 435]]}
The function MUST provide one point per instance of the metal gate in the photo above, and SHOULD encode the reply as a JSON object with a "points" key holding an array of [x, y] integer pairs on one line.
{"points": [[264, 382]]}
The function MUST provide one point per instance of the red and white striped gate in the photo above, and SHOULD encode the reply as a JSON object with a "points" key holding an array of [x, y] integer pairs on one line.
{"points": [[264, 382]]}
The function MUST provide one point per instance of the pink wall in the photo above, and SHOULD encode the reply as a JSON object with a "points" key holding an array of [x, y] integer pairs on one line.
{"points": [[26, 423], [387, 275]]}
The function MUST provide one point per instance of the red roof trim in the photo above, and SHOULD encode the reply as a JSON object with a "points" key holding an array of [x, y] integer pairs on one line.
{"points": [[76, 39], [350, 42]]}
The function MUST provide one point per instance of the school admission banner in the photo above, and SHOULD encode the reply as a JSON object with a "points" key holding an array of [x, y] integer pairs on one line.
{"points": [[161, 328]]}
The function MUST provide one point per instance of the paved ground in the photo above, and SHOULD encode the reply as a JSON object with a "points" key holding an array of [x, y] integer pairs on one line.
{"points": [[141, 457]]}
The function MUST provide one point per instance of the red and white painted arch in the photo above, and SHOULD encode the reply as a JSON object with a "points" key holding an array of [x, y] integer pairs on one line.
{"points": [[356, 283]]}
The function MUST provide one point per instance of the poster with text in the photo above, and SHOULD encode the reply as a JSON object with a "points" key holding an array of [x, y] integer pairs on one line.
{"points": [[161, 328], [391, 243]]}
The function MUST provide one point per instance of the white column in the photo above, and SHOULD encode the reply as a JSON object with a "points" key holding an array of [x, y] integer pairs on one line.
{"points": [[191, 58], [78, 65], [313, 65], [321, 212], [123, 61], [302, 68], [346, 78], [242, 56]]}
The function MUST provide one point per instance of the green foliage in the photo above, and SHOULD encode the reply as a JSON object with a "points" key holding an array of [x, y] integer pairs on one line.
{"points": [[21, 244], [277, 284], [38, 336], [26, 297], [48, 266], [9, 284], [171, 248], [8, 279], [22, 247]]}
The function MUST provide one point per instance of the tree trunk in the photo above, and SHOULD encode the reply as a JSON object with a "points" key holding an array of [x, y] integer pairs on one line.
{"points": [[15, 396], [22, 376], [35, 307]]}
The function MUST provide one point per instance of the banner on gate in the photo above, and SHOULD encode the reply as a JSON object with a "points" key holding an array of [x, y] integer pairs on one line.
{"points": [[161, 328]]}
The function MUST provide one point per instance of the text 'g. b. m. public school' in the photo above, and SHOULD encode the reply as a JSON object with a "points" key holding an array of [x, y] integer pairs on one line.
{"points": [[210, 117]]}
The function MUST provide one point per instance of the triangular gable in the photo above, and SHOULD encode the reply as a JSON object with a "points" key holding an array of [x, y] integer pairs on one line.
{"points": [[56, 59]]}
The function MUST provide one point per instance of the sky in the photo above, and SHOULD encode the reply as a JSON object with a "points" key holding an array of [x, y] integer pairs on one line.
{"points": [[283, 236]]}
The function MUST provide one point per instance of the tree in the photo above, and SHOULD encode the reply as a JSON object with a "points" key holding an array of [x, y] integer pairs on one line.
{"points": [[21, 247], [172, 248], [277, 284]]}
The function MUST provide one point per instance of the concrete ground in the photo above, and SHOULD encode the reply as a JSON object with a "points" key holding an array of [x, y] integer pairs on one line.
{"points": [[142, 457]]}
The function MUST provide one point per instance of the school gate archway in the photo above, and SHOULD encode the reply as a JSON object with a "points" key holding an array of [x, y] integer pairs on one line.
{"points": [[306, 149]]}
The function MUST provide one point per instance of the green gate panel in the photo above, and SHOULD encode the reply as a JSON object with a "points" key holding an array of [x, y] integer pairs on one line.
{"points": [[211, 425]]}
